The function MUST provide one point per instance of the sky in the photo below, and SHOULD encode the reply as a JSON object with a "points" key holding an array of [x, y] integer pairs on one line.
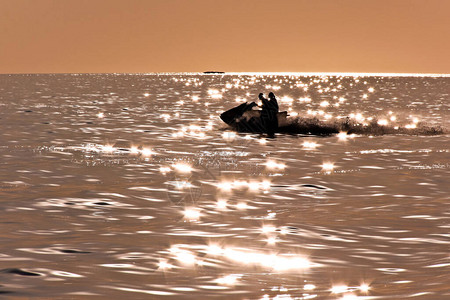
{"points": [[146, 36]]}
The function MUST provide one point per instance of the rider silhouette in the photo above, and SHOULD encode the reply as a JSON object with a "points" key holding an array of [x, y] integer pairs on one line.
{"points": [[269, 113]]}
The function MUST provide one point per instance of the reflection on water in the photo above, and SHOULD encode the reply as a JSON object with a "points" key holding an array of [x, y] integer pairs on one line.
{"points": [[130, 185]]}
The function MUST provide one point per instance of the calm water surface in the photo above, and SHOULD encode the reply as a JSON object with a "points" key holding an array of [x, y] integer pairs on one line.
{"points": [[130, 186]]}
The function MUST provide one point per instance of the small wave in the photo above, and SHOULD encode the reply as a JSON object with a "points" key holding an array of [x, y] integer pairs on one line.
{"points": [[17, 271], [314, 126]]}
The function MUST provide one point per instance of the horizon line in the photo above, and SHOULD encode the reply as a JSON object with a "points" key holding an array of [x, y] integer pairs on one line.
{"points": [[352, 74]]}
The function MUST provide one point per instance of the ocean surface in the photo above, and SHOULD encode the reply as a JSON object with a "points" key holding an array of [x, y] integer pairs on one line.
{"points": [[130, 186]]}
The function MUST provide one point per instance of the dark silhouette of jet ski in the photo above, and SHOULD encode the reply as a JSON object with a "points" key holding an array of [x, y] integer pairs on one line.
{"points": [[244, 118]]}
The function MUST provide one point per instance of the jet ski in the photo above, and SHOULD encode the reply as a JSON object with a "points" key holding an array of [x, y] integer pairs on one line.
{"points": [[244, 118]]}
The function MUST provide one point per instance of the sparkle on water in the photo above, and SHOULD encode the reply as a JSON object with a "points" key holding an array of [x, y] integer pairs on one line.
{"points": [[328, 166], [192, 213], [273, 165], [182, 167], [160, 198]]}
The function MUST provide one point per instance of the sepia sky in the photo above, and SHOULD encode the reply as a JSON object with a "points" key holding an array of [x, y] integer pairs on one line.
{"points": [[137, 36]]}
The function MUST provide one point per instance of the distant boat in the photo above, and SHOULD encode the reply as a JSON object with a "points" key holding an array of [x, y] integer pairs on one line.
{"points": [[213, 72]]}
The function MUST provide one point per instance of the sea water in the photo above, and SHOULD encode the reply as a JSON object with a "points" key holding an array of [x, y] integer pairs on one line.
{"points": [[131, 186]]}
